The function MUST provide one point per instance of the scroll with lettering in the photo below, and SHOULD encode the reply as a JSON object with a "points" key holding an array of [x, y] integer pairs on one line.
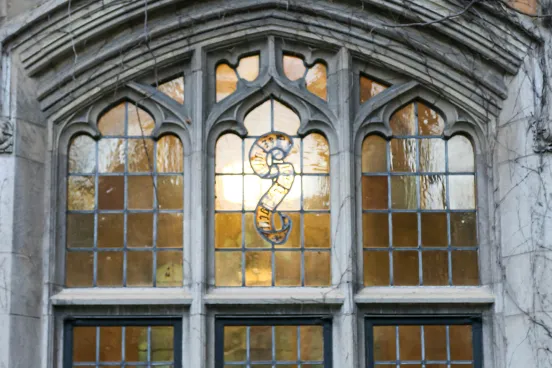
{"points": [[267, 161]]}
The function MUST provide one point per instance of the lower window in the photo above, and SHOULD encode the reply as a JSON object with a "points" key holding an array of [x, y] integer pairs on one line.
{"points": [[129, 343], [423, 342], [266, 343]]}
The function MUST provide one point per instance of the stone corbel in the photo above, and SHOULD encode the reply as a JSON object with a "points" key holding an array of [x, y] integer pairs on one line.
{"points": [[6, 136]]}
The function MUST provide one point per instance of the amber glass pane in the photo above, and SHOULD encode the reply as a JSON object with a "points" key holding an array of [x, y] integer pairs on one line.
{"points": [[294, 68], [140, 192], [113, 121], [435, 268], [317, 80], [111, 230], [84, 344], [252, 238], [254, 188], [111, 194], [140, 123], [134, 343], [169, 269], [403, 122], [235, 343], [405, 268], [374, 154], [258, 269], [162, 343], [248, 68], [229, 154], [294, 237], [80, 231], [312, 343], [369, 88], [463, 229], [258, 120], [385, 343], [140, 230], [110, 344], [462, 192], [465, 268], [82, 155], [228, 268], [169, 230], [316, 193], [317, 268], [375, 228], [140, 155], [170, 194], [228, 192], [405, 230], [226, 80], [111, 155], [429, 121], [403, 192], [110, 269], [174, 89], [170, 155], [317, 230], [260, 343], [285, 119], [434, 229], [461, 344], [432, 192], [80, 193], [435, 342], [286, 343], [374, 192], [228, 230], [376, 268], [403, 155], [410, 343], [460, 154], [140, 269], [316, 154], [288, 268], [432, 155], [79, 268]]}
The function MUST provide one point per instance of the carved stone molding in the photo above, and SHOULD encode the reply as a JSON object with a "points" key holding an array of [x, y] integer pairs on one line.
{"points": [[542, 140], [6, 136]]}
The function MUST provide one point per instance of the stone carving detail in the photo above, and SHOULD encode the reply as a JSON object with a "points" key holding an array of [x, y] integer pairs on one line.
{"points": [[6, 136], [542, 140]]}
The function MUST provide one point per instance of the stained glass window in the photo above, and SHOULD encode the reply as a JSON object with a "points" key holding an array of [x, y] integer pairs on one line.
{"points": [[272, 203], [314, 77], [124, 205], [227, 77], [418, 199], [369, 88], [174, 89]]}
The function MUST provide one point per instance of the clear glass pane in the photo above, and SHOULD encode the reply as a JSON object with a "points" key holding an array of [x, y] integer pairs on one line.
{"points": [[403, 155], [79, 269], [80, 193], [169, 269], [113, 121], [317, 268], [312, 343], [111, 230], [235, 343], [170, 192], [80, 231], [286, 343], [294, 68], [463, 228], [317, 80], [140, 269], [405, 230], [433, 193], [260, 343], [174, 89], [226, 80], [110, 269], [162, 344], [288, 268], [285, 119], [462, 192], [316, 154], [317, 230], [140, 192], [248, 68], [82, 155], [405, 268], [110, 344], [84, 344], [435, 342], [432, 155], [258, 121], [140, 155], [434, 229], [369, 88], [435, 268], [430, 122], [404, 192], [170, 155], [136, 344], [403, 122], [140, 230], [375, 229], [374, 154], [465, 268], [228, 192], [228, 154], [258, 268], [140, 123], [254, 189], [316, 192], [170, 230], [410, 343], [461, 343], [228, 269], [228, 230], [375, 194], [460, 154], [111, 155], [385, 343], [292, 202], [376, 268]]}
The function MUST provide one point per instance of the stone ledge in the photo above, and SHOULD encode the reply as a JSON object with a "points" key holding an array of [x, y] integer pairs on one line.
{"points": [[275, 296], [119, 296], [426, 295]]}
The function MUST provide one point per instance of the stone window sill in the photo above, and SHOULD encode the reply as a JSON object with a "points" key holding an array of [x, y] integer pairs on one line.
{"points": [[283, 296], [426, 295], [122, 296]]}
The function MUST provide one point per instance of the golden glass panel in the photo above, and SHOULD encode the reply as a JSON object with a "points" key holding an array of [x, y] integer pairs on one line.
{"points": [[461, 344], [410, 343], [405, 230], [465, 268], [460, 154], [285, 119], [374, 154], [228, 268], [228, 230], [169, 269], [248, 68], [317, 230], [80, 193], [286, 343], [235, 343], [170, 230], [316, 154], [254, 188], [228, 192], [317, 80], [170, 155], [403, 121], [140, 230], [460, 366], [84, 344], [376, 268], [435, 268], [82, 154], [385, 343], [110, 269], [294, 237], [113, 121], [403, 155], [79, 269], [445, 366], [140, 155], [375, 192], [292, 202], [252, 237], [369, 88], [174, 89], [170, 192], [288, 268], [140, 192], [316, 192], [434, 229], [260, 343], [140, 269], [432, 192], [317, 268], [375, 230], [312, 343], [111, 193], [294, 67], [140, 123], [226, 81], [404, 192], [258, 269], [429, 121], [135, 336], [435, 342], [111, 230], [258, 121], [463, 228], [228, 157], [432, 155], [110, 344], [462, 192], [111, 155], [80, 231], [162, 344], [405, 268]]}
